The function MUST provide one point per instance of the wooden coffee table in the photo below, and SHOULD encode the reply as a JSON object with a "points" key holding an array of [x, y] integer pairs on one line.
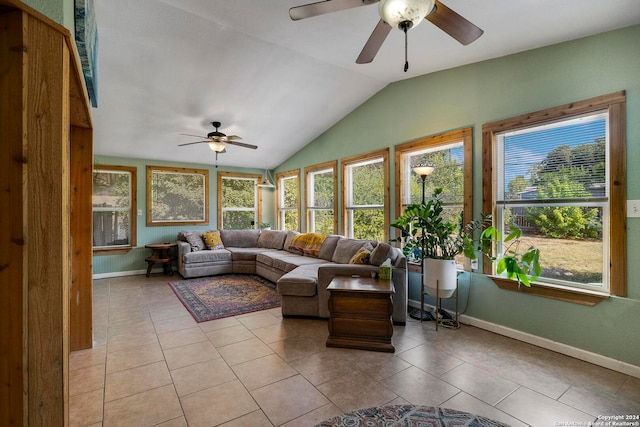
{"points": [[360, 310]]}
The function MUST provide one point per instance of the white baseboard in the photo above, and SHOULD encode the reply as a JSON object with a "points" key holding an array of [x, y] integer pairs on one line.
{"points": [[587, 356], [125, 273]]}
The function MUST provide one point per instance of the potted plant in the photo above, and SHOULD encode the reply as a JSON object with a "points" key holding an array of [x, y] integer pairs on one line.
{"points": [[429, 236], [524, 267], [264, 226]]}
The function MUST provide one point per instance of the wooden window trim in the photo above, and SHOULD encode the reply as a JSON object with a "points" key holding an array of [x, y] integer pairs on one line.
{"points": [[287, 174], [615, 103], [133, 241], [348, 161], [231, 175], [466, 136], [547, 290], [333, 165], [150, 170]]}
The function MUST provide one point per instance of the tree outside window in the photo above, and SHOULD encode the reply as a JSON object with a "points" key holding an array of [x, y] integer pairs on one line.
{"points": [[288, 191], [114, 208], [239, 206], [450, 153], [366, 195], [321, 198], [556, 173]]}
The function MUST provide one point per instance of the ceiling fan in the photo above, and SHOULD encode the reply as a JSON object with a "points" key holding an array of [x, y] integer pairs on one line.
{"points": [[400, 14], [218, 141]]}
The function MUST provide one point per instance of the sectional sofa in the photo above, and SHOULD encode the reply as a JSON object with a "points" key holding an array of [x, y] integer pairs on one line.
{"points": [[302, 265]]}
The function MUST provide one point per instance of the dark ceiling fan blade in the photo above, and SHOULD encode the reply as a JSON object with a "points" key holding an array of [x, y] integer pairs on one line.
{"points": [[191, 143], [453, 24], [233, 137], [371, 48], [242, 144], [197, 136], [323, 7]]}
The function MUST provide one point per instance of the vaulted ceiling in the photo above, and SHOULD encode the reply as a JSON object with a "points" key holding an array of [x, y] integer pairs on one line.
{"points": [[168, 67]]}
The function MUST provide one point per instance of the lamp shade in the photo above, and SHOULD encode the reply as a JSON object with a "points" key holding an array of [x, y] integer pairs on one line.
{"points": [[394, 12], [266, 183], [423, 170], [218, 147]]}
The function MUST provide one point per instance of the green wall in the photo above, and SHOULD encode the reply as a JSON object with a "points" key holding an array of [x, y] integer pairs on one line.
{"points": [[134, 260], [60, 11], [495, 89]]}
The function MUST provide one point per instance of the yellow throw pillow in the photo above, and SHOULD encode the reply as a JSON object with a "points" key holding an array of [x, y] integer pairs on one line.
{"points": [[360, 257], [212, 240]]}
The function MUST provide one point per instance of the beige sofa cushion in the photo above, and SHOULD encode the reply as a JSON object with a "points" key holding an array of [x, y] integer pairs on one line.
{"points": [[219, 255], [347, 248], [299, 282], [293, 261], [268, 257], [240, 238], [246, 254], [380, 254], [272, 239], [329, 247]]}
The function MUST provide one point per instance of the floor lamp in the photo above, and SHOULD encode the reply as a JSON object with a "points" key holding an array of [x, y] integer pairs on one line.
{"points": [[423, 171]]}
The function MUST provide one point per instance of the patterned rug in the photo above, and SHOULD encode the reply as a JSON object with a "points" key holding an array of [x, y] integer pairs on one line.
{"points": [[409, 416], [209, 298]]}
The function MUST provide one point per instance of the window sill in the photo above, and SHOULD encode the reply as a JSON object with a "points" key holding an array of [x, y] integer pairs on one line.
{"points": [[562, 293], [115, 251]]}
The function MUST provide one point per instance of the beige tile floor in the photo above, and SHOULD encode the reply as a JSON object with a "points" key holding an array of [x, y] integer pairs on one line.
{"points": [[152, 364]]}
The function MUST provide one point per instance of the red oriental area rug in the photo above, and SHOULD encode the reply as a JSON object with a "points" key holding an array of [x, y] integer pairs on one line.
{"points": [[209, 298]]}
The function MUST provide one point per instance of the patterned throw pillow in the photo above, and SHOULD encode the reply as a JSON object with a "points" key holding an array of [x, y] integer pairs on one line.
{"points": [[212, 240], [195, 241], [360, 257]]}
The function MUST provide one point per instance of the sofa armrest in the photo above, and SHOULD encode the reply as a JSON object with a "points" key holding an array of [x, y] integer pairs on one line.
{"points": [[183, 249]]}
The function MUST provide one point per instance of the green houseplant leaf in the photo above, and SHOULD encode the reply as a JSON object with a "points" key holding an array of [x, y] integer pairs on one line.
{"points": [[445, 240]]}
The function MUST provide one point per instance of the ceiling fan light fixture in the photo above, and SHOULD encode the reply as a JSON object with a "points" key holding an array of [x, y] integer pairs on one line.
{"points": [[218, 147], [397, 13]]}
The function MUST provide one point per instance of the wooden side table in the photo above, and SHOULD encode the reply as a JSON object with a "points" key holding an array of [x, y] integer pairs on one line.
{"points": [[360, 310], [160, 255]]}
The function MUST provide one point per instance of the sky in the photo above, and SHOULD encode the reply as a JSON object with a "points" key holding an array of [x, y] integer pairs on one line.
{"points": [[525, 149]]}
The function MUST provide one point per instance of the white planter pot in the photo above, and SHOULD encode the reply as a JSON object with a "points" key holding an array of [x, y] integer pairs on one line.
{"points": [[440, 277]]}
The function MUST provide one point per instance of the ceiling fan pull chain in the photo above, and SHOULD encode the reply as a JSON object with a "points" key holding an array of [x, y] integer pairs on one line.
{"points": [[406, 60]]}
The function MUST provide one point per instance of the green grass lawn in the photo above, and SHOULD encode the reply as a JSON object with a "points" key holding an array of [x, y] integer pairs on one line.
{"points": [[574, 260]]}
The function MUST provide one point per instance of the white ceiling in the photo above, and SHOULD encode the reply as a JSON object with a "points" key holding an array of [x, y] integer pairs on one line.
{"points": [[168, 67]]}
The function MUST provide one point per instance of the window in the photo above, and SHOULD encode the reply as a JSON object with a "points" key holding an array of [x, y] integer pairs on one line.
{"points": [[288, 191], [450, 153], [559, 175], [114, 208], [321, 189], [177, 196], [239, 202], [365, 195]]}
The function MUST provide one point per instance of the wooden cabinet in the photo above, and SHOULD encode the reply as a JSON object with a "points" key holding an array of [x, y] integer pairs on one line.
{"points": [[360, 312], [42, 104]]}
